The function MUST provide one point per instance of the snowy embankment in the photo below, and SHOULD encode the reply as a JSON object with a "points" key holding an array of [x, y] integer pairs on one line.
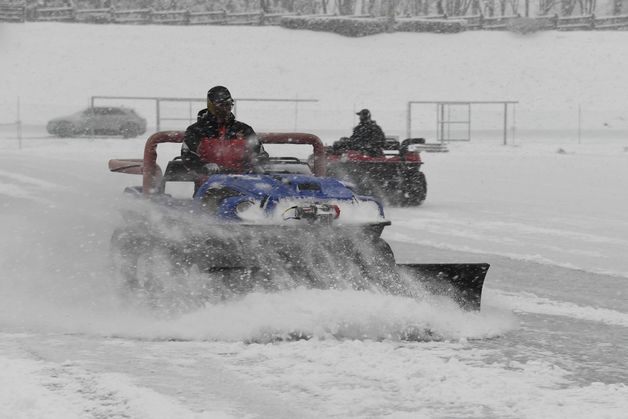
{"points": [[55, 68]]}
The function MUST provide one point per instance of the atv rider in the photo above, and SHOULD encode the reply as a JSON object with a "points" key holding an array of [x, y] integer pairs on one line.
{"points": [[217, 142], [367, 137]]}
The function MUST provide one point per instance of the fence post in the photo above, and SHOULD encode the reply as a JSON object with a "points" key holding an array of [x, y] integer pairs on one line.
{"points": [[505, 123], [408, 120], [296, 111], [579, 124], [19, 125]]}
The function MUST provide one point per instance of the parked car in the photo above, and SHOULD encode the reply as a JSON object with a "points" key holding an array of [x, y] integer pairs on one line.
{"points": [[104, 120]]}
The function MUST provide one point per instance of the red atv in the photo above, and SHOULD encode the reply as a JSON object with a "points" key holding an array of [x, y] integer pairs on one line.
{"points": [[392, 174]]}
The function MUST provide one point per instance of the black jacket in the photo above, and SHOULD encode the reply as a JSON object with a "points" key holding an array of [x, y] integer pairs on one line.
{"points": [[207, 126], [368, 136]]}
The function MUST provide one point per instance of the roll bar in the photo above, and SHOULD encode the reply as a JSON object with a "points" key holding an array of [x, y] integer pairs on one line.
{"points": [[151, 172]]}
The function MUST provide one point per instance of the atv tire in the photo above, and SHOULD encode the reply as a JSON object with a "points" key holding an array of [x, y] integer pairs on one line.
{"points": [[151, 275], [124, 251], [414, 189]]}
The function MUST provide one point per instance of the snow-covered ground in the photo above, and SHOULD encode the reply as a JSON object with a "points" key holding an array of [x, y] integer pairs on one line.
{"points": [[548, 213]]}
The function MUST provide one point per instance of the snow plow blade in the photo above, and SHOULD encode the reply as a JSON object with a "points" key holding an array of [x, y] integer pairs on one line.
{"points": [[462, 282]]}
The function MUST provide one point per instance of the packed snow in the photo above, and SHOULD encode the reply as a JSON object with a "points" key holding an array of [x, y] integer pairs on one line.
{"points": [[547, 211]]}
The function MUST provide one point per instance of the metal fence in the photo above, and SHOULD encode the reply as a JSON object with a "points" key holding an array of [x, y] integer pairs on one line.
{"points": [[20, 12], [436, 121], [163, 116], [454, 119]]}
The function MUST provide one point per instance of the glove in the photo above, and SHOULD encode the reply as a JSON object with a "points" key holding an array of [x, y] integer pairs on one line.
{"points": [[211, 168]]}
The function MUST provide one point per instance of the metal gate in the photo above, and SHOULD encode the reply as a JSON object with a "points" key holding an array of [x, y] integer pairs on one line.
{"points": [[447, 121]]}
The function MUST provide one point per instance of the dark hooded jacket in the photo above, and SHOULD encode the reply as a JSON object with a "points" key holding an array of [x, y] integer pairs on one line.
{"points": [[207, 127], [368, 136]]}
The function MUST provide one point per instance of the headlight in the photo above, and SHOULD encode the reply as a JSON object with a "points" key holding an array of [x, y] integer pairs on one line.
{"points": [[243, 206]]}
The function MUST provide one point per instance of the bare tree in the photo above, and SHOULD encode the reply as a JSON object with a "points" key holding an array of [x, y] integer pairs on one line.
{"points": [[345, 7], [617, 7], [567, 7], [439, 7], [324, 4], [458, 7]]}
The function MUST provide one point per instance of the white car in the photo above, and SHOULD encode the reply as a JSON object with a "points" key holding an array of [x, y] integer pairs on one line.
{"points": [[99, 121]]}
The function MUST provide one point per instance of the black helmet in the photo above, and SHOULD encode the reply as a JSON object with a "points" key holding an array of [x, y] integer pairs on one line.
{"points": [[219, 94], [364, 113]]}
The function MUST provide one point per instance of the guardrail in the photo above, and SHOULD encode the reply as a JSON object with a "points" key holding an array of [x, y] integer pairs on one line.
{"points": [[133, 16], [54, 14], [571, 23], [489, 22], [611, 22], [12, 12], [92, 15], [20, 13]]}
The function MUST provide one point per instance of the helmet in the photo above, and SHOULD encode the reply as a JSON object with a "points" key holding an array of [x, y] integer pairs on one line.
{"points": [[364, 114], [218, 95]]}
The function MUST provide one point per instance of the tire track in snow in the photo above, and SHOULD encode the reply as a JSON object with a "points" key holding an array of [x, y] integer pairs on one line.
{"points": [[531, 303]]}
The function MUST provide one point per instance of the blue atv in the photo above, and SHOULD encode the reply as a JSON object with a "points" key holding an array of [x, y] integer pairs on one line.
{"points": [[282, 226]]}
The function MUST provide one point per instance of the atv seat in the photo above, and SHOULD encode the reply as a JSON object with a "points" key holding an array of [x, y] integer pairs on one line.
{"points": [[403, 148], [392, 143], [177, 172]]}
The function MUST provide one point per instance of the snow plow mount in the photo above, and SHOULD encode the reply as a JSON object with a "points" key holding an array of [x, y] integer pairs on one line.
{"points": [[313, 213]]}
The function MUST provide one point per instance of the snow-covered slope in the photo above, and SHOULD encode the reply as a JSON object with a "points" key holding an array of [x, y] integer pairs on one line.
{"points": [[54, 69]]}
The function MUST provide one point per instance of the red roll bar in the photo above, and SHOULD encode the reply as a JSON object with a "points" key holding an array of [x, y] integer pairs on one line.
{"points": [[151, 172]]}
